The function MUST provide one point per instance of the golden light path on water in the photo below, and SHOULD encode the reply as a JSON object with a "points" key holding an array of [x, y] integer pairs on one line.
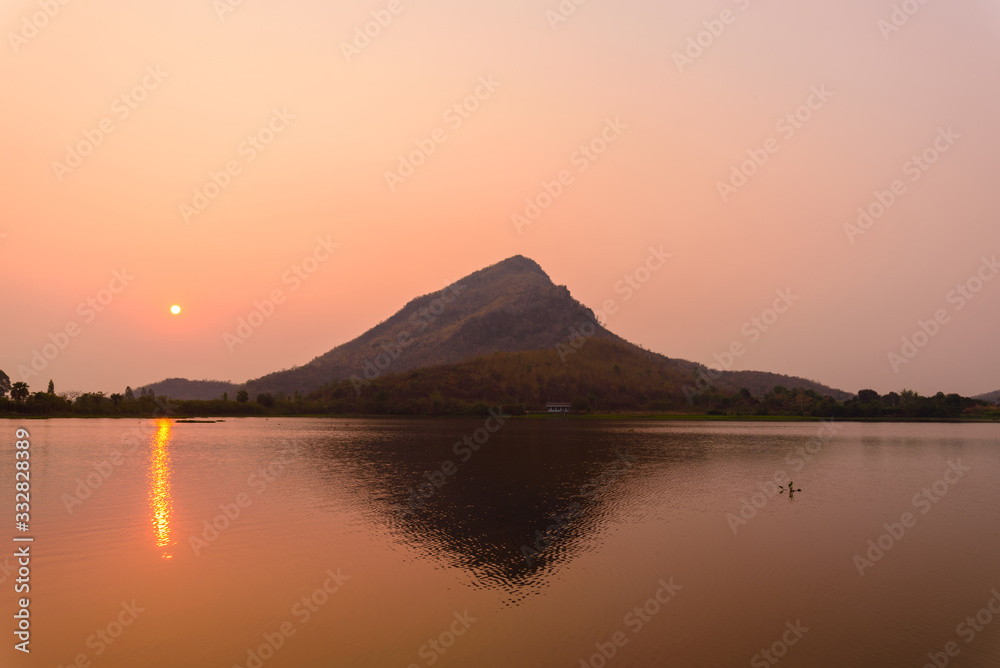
{"points": [[159, 490]]}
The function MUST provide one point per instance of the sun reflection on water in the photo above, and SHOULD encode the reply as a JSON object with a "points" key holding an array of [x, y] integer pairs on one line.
{"points": [[159, 490]]}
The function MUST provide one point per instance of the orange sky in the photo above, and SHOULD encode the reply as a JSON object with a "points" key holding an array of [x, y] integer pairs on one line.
{"points": [[300, 132]]}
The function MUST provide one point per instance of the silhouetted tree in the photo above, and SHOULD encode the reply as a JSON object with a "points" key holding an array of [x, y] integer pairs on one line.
{"points": [[115, 398], [19, 392], [129, 394], [868, 396], [52, 387], [266, 400], [4, 384], [242, 396], [225, 396]]}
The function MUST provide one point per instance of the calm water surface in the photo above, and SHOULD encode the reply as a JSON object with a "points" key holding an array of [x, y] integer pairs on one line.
{"points": [[546, 543]]}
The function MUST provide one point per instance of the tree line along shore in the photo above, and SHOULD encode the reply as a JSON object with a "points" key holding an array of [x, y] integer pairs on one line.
{"points": [[389, 397]]}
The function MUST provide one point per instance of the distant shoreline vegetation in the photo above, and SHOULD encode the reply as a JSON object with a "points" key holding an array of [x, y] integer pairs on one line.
{"points": [[390, 397]]}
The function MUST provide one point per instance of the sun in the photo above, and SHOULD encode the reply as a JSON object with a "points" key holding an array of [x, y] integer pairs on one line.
{"points": [[175, 309]]}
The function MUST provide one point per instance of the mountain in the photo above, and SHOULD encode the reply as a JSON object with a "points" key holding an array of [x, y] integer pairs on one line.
{"points": [[506, 330], [762, 382], [509, 306], [182, 388], [992, 397]]}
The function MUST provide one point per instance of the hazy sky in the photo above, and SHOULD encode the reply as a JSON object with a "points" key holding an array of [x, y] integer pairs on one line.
{"points": [[119, 117]]}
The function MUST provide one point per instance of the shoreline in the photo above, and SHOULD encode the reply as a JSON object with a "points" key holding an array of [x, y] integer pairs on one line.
{"points": [[659, 417]]}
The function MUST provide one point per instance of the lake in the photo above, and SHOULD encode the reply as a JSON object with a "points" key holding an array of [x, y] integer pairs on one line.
{"points": [[508, 542]]}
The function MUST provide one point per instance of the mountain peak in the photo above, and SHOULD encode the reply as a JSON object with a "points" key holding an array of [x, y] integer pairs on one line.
{"points": [[512, 266], [506, 307], [521, 263]]}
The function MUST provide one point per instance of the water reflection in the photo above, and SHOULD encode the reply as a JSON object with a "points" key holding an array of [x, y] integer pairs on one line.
{"points": [[159, 488], [511, 515]]}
